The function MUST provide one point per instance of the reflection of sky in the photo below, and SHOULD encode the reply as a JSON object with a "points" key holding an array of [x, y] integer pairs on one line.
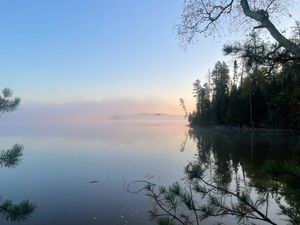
{"points": [[59, 162], [60, 159]]}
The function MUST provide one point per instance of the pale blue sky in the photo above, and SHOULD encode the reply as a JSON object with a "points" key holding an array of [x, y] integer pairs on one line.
{"points": [[78, 50]]}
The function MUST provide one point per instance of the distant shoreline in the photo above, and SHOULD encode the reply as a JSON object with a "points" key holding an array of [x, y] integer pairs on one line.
{"points": [[245, 129]]}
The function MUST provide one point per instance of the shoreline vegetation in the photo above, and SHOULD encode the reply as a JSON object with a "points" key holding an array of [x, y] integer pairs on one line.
{"points": [[243, 129], [249, 94], [260, 86]]}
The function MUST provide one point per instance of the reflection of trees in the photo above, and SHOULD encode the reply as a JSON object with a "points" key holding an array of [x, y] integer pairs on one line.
{"points": [[9, 210], [227, 151], [198, 199], [235, 174], [284, 183]]}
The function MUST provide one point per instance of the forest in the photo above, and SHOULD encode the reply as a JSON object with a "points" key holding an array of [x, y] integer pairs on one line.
{"points": [[261, 88]]}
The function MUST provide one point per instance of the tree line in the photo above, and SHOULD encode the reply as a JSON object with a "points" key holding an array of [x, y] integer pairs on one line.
{"points": [[260, 89]]}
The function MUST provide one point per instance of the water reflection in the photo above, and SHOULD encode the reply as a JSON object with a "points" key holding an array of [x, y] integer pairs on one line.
{"points": [[10, 158], [241, 177]]}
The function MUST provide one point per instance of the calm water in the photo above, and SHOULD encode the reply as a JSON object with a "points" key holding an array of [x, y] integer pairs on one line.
{"points": [[79, 174]]}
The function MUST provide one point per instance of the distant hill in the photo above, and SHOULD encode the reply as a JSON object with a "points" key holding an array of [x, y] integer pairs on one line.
{"points": [[147, 116]]}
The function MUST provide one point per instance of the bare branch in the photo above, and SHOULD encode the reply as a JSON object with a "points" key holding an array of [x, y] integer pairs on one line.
{"points": [[205, 16]]}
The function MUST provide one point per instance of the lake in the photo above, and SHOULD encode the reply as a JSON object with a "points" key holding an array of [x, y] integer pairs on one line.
{"points": [[83, 173]]}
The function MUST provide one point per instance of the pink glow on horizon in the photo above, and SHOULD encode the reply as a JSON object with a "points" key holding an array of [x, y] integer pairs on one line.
{"points": [[92, 111]]}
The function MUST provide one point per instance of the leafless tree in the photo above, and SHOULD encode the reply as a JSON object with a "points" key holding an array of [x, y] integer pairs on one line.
{"points": [[206, 16]]}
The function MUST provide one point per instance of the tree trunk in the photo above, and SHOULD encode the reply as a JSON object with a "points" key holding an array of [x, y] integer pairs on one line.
{"points": [[262, 17]]}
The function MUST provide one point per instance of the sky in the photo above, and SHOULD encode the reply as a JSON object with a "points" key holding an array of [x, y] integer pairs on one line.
{"points": [[58, 52]]}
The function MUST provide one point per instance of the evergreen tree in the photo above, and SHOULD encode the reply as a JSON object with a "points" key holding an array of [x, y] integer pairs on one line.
{"points": [[220, 79]]}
